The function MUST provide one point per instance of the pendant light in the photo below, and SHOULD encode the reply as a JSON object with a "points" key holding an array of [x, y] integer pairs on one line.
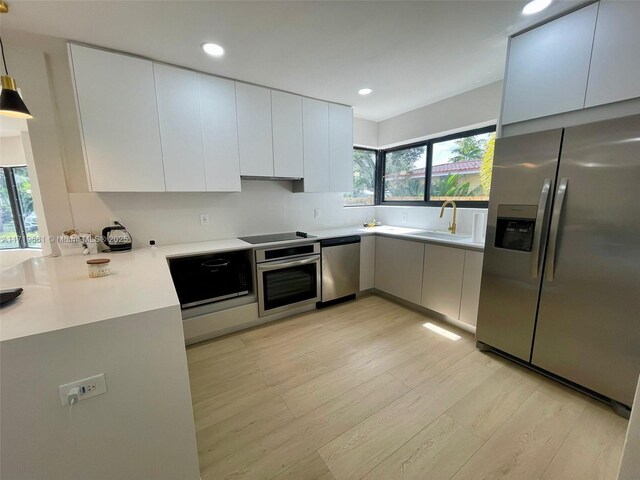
{"points": [[11, 104]]}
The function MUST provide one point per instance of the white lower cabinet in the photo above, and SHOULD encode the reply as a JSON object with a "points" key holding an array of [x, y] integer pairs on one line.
{"points": [[471, 287], [398, 268], [367, 262], [442, 279]]}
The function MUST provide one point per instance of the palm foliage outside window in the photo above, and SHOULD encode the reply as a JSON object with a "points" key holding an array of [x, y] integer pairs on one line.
{"points": [[18, 224], [455, 167]]}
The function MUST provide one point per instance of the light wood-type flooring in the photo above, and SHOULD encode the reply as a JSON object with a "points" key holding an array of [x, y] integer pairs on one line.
{"points": [[371, 389]]}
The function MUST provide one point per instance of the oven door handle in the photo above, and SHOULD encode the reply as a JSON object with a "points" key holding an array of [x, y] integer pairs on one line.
{"points": [[265, 267]]}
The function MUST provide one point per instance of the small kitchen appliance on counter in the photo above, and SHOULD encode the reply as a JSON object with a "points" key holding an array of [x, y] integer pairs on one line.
{"points": [[116, 238]]}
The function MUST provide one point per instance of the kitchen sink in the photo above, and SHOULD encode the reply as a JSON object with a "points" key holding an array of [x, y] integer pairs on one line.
{"points": [[436, 235]]}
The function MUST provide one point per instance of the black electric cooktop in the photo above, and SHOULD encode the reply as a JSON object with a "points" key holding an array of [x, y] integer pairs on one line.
{"points": [[276, 237]]}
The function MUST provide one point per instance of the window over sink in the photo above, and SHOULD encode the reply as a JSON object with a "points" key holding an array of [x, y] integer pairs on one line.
{"points": [[454, 167]]}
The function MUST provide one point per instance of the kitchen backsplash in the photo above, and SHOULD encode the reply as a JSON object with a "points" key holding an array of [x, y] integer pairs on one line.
{"points": [[261, 207], [428, 217], [168, 218]]}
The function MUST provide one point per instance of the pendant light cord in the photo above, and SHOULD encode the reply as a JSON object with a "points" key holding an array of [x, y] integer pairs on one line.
{"points": [[4, 60]]}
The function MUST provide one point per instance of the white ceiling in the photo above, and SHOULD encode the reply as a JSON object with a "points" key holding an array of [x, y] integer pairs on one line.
{"points": [[411, 53]]}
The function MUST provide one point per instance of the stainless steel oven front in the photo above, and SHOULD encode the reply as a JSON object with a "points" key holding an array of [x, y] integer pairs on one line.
{"points": [[288, 277]]}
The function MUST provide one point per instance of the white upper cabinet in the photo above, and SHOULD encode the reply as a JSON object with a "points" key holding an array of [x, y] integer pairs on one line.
{"points": [[180, 128], [254, 130], [219, 133], [340, 148], [119, 121], [315, 122], [442, 279], [547, 67], [163, 128], [615, 64], [286, 114]]}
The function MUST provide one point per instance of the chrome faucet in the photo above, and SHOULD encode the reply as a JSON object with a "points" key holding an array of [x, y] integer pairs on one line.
{"points": [[452, 225]]}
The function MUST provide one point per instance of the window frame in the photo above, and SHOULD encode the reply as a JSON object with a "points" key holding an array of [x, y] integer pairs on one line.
{"points": [[16, 209], [376, 175], [425, 202]]}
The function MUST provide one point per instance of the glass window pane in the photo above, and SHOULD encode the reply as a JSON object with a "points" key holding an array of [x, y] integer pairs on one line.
{"points": [[21, 176], [461, 168], [8, 234], [364, 178], [404, 174]]}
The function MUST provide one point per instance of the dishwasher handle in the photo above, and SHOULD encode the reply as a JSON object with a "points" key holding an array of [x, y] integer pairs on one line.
{"points": [[333, 242]]}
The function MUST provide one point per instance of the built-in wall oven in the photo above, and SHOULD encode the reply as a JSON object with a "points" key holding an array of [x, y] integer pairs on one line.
{"points": [[288, 277]]}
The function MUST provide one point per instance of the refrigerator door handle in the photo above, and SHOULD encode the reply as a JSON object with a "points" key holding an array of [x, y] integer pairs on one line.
{"points": [[553, 233], [537, 234]]}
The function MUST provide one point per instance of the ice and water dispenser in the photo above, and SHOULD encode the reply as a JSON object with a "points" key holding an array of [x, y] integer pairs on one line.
{"points": [[515, 227]]}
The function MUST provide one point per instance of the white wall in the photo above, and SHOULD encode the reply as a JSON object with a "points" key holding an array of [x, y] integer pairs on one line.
{"points": [[11, 151], [365, 133], [475, 108], [29, 68]]}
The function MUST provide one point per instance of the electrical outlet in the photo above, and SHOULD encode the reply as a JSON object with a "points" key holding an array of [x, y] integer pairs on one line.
{"points": [[404, 217], [204, 219], [316, 212], [89, 387]]}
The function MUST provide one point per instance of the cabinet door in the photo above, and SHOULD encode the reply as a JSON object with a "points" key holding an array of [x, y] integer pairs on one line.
{"points": [[254, 130], [471, 287], [547, 67], [398, 268], [615, 62], [442, 279], [180, 129], [367, 262], [315, 122], [340, 148], [119, 121], [219, 133], [286, 113]]}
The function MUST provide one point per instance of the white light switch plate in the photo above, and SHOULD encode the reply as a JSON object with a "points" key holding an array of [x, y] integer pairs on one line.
{"points": [[404, 217], [204, 219], [89, 387]]}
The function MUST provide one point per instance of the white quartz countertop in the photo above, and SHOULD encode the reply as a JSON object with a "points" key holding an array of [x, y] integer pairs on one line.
{"points": [[58, 292]]}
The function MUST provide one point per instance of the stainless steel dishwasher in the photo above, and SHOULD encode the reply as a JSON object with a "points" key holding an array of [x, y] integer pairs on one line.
{"points": [[340, 269]]}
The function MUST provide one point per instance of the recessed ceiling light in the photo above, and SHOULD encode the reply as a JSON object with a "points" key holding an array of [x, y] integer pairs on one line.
{"points": [[213, 49], [535, 6], [365, 91]]}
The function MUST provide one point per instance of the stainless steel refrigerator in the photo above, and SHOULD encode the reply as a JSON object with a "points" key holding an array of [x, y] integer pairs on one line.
{"points": [[561, 274]]}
